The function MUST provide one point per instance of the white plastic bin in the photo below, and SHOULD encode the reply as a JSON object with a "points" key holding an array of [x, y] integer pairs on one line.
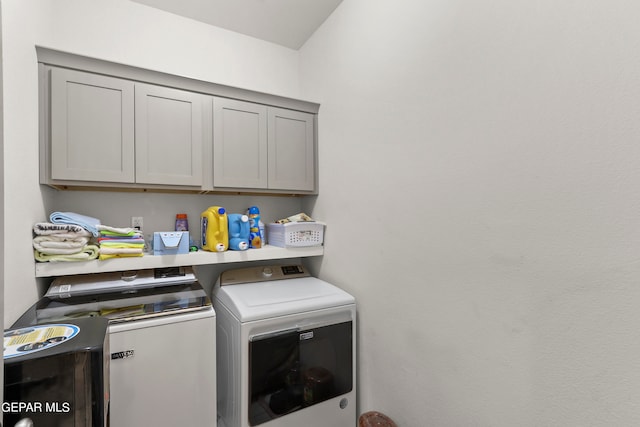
{"points": [[296, 234]]}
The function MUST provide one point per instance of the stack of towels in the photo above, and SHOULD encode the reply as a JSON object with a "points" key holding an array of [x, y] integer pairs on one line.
{"points": [[66, 238], [70, 236], [119, 242]]}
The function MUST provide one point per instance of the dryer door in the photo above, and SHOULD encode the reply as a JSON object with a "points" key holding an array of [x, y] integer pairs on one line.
{"points": [[293, 369]]}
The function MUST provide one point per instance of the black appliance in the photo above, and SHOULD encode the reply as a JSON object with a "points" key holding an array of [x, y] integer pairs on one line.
{"points": [[57, 374]]}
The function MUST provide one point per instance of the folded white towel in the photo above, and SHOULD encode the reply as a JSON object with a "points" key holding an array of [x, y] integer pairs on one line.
{"points": [[61, 230], [55, 241], [57, 248]]}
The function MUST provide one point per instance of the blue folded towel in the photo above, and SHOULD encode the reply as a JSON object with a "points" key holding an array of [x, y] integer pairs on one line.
{"points": [[86, 222]]}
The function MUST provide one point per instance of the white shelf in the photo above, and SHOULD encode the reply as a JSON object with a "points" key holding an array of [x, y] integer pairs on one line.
{"points": [[52, 269]]}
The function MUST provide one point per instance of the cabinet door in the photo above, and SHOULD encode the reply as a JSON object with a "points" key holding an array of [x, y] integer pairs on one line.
{"points": [[92, 136], [291, 150], [239, 144], [169, 134]]}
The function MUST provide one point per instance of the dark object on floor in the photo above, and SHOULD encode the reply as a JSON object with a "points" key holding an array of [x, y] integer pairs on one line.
{"points": [[375, 419]]}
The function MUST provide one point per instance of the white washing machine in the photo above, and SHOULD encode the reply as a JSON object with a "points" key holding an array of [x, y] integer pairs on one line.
{"points": [[286, 349], [161, 338]]}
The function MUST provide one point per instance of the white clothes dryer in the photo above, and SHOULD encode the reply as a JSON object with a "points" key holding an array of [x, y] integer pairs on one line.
{"points": [[286, 349]]}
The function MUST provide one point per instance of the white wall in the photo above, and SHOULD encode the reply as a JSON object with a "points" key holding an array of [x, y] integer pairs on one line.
{"points": [[483, 205], [125, 32], [2, 204], [482, 199]]}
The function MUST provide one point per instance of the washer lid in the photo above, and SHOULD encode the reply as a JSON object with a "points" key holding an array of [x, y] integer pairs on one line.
{"points": [[262, 300], [124, 281], [124, 306]]}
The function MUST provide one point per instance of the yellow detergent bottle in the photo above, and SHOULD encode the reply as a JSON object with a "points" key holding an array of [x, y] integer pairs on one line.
{"points": [[214, 228]]}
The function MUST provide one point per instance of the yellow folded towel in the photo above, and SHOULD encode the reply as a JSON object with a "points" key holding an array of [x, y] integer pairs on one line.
{"points": [[88, 253], [109, 256]]}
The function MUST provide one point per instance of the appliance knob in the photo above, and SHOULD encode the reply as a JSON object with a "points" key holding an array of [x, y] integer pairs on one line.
{"points": [[267, 272], [344, 402]]}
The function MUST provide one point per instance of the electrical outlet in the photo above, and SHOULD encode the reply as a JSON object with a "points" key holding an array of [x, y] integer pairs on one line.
{"points": [[136, 222]]}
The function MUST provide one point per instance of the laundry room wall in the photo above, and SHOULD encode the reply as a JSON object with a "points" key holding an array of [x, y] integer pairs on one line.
{"points": [[125, 32], [483, 205]]}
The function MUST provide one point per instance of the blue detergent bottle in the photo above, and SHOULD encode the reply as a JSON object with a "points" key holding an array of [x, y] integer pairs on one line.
{"points": [[255, 238], [238, 232]]}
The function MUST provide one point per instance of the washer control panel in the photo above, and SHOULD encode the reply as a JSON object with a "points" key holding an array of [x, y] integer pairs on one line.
{"points": [[262, 274]]}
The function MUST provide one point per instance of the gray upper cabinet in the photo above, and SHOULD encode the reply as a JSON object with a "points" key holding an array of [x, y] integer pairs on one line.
{"points": [[239, 144], [92, 127], [169, 134], [107, 131], [291, 150], [109, 125], [262, 147]]}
